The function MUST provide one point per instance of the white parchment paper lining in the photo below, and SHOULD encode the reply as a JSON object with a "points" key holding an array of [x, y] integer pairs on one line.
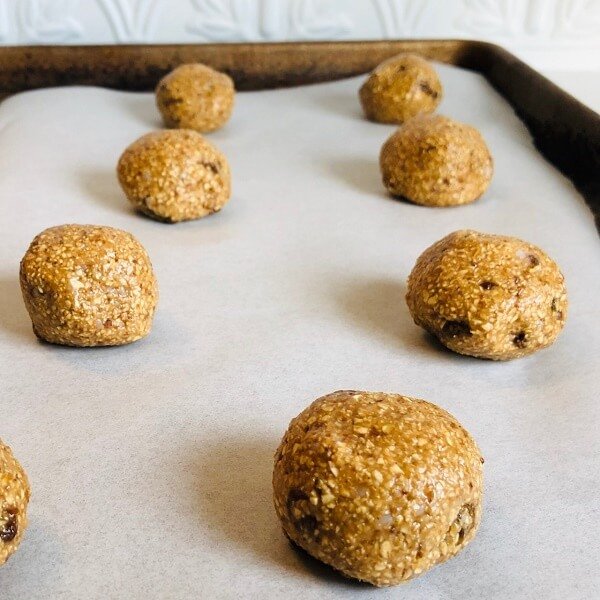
{"points": [[150, 464]]}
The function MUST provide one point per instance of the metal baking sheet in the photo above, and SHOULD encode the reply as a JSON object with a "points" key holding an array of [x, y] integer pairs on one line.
{"points": [[150, 464]]}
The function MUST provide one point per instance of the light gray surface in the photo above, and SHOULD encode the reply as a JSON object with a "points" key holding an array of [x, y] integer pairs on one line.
{"points": [[150, 464], [583, 85]]}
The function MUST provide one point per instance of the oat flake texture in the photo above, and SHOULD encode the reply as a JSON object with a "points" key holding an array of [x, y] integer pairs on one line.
{"points": [[88, 285], [381, 487], [489, 296], [400, 88], [194, 96], [174, 175], [435, 161], [14, 497]]}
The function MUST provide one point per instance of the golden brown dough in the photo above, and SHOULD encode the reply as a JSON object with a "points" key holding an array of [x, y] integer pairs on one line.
{"points": [[380, 486], [488, 295], [436, 161], [400, 88], [14, 497], [194, 96], [175, 176], [88, 285]]}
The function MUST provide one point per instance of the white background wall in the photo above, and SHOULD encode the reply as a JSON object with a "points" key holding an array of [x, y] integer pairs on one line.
{"points": [[550, 34]]}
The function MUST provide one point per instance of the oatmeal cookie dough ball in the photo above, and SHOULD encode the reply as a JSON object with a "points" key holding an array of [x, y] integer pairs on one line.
{"points": [[14, 497], [174, 176], [400, 88], [487, 295], [196, 97], [435, 161], [381, 487], [87, 285]]}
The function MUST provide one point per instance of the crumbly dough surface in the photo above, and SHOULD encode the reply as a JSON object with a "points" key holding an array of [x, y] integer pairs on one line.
{"points": [[88, 285], [380, 486], [400, 88], [435, 161], [175, 175], [487, 295], [14, 497], [194, 96]]}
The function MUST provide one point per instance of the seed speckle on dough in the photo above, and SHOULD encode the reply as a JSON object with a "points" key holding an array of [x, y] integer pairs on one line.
{"points": [[195, 96], [397, 500], [435, 161], [174, 176], [88, 285], [484, 296], [399, 89], [14, 498]]}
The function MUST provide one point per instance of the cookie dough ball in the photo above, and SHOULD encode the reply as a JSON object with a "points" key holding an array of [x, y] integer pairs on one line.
{"points": [[435, 161], [379, 486], [400, 88], [14, 497], [174, 176], [487, 295], [195, 97], [87, 285]]}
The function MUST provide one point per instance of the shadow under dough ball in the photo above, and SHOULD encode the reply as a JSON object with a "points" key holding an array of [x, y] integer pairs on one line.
{"points": [[488, 296], [14, 497], [88, 285], [435, 161], [194, 96], [379, 486], [174, 176], [400, 88]]}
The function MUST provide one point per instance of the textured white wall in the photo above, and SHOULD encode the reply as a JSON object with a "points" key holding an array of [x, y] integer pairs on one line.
{"points": [[548, 33]]}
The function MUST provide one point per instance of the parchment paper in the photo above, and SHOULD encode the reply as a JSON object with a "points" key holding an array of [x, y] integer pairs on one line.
{"points": [[150, 464]]}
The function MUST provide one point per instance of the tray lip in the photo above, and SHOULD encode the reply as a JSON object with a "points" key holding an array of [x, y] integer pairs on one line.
{"points": [[462, 45], [345, 42]]}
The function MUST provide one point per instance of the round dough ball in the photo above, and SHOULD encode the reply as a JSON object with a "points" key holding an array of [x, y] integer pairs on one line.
{"points": [[400, 88], [196, 97], [87, 285], [14, 497], [379, 486], [174, 176], [435, 161], [487, 295]]}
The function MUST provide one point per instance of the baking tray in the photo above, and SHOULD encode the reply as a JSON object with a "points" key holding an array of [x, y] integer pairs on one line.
{"points": [[565, 131], [150, 464]]}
